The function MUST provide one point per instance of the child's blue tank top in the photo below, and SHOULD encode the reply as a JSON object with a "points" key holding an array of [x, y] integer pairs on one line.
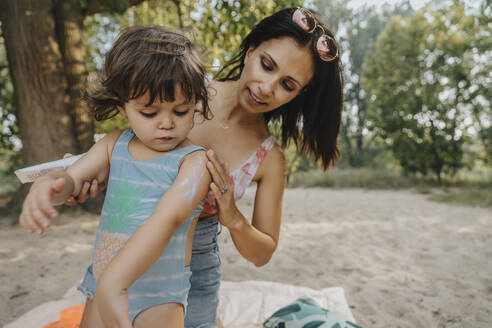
{"points": [[134, 189]]}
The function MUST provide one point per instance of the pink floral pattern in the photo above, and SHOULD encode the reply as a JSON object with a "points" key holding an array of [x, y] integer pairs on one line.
{"points": [[245, 168], [240, 178], [261, 153]]}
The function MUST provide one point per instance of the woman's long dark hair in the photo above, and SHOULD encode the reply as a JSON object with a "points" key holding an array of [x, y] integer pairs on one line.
{"points": [[312, 119]]}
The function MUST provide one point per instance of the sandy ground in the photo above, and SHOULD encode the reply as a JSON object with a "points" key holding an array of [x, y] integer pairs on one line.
{"points": [[403, 261]]}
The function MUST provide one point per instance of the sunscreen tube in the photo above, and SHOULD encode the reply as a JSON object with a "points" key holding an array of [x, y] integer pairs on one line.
{"points": [[29, 174]]}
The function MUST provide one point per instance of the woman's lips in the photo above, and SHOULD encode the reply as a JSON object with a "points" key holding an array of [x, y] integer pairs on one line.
{"points": [[253, 99]]}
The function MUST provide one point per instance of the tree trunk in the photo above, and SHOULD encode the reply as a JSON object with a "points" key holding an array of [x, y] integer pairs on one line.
{"points": [[361, 123], [180, 14], [36, 69], [37, 74], [69, 23], [348, 151]]}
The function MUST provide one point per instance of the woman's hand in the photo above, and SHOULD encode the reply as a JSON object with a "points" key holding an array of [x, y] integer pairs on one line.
{"points": [[88, 189], [223, 188], [112, 305]]}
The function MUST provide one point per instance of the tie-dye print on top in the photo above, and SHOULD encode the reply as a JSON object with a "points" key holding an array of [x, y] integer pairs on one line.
{"points": [[134, 189], [242, 176]]}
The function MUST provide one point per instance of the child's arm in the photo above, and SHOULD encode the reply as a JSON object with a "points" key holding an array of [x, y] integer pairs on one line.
{"points": [[149, 241], [55, 187]]}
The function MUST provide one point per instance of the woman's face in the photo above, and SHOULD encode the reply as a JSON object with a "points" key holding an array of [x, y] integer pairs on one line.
{"points": [[274, 73]]}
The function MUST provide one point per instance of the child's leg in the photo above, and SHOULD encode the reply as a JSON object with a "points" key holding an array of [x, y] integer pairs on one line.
{"points": [[91, 318], [163, 315]]}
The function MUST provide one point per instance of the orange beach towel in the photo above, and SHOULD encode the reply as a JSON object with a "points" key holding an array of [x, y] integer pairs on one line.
{"points": [[69, 318]]}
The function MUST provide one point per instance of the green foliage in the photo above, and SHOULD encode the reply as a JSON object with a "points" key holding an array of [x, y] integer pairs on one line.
{"points": [[158, 12], [359, 29], [473, 196], [335, 13], [8, 181], [115, 123], [420, 79], [114, 6], [375, 154], [382, 178], [9, 128], [223, 24], [474, 190], [100, 31], [482, 108]]}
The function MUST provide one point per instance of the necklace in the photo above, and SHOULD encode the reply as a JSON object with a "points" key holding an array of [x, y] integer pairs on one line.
{"points": [[226, 126], [221, 123]]}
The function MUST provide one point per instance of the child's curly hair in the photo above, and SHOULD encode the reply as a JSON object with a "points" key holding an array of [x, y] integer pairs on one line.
{"points": [[148, 59]]}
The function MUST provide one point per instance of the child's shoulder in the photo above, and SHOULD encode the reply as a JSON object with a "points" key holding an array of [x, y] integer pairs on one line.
{"points": [[196, 155], [194, 165], [108, 141], [197, 158], [111, 137]]}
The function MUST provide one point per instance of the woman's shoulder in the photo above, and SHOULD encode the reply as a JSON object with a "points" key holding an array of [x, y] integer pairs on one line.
{"points": [[274, 164], [275, 156]]}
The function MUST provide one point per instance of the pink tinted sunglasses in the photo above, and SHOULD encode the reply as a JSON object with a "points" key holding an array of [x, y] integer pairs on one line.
{"points": [[326, 46]]}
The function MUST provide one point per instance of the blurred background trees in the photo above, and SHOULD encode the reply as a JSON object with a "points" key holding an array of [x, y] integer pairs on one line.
{"points": [[417, 93], [421, 108]]}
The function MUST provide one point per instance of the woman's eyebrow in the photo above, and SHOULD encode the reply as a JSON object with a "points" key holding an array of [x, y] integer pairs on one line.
{"points": [[274, 63]]}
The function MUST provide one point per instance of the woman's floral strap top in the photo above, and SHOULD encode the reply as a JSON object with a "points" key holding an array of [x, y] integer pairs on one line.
{"points": [[241, 177]]}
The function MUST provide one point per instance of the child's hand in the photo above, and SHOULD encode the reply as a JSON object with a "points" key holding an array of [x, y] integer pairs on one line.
{"points": [[112, 307], [38, 208]]}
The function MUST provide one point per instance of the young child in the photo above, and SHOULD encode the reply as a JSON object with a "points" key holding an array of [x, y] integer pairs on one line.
{"points": [[156, 182]]}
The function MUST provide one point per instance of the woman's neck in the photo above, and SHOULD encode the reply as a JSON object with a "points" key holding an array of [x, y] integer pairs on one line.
{"points": [[232, 113]]}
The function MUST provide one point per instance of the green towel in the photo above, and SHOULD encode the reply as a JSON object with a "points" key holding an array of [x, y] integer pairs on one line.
{"points": [[306, 313]]}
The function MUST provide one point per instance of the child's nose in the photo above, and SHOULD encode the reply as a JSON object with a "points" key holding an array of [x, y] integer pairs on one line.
{"points": [[166, 122]]}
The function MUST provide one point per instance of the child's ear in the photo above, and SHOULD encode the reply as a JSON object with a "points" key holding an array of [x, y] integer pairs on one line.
{"points": [[122, 110]]}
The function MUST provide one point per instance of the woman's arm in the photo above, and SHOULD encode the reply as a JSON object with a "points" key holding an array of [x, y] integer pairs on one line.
{"points": [[149, 241], [255, 241]]}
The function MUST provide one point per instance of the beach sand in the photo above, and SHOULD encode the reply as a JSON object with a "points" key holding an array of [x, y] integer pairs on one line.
{"points": [[403, 261]]}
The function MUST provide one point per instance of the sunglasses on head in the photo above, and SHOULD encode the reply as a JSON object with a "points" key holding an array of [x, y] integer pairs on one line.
{"points": [[326, 46]]}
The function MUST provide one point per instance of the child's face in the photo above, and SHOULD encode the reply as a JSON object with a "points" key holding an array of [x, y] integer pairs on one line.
{"points": [[162, 126]]}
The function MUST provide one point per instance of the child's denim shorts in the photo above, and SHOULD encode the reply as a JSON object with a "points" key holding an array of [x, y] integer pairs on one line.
{"points": [[203, 297]]}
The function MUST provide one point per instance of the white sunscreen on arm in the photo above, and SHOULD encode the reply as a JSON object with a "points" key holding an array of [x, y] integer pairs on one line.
{"points": [[196, 175], [31, 173]]}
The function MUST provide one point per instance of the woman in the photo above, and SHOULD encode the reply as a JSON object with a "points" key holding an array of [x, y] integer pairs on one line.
{"points": [[287, 70]]}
